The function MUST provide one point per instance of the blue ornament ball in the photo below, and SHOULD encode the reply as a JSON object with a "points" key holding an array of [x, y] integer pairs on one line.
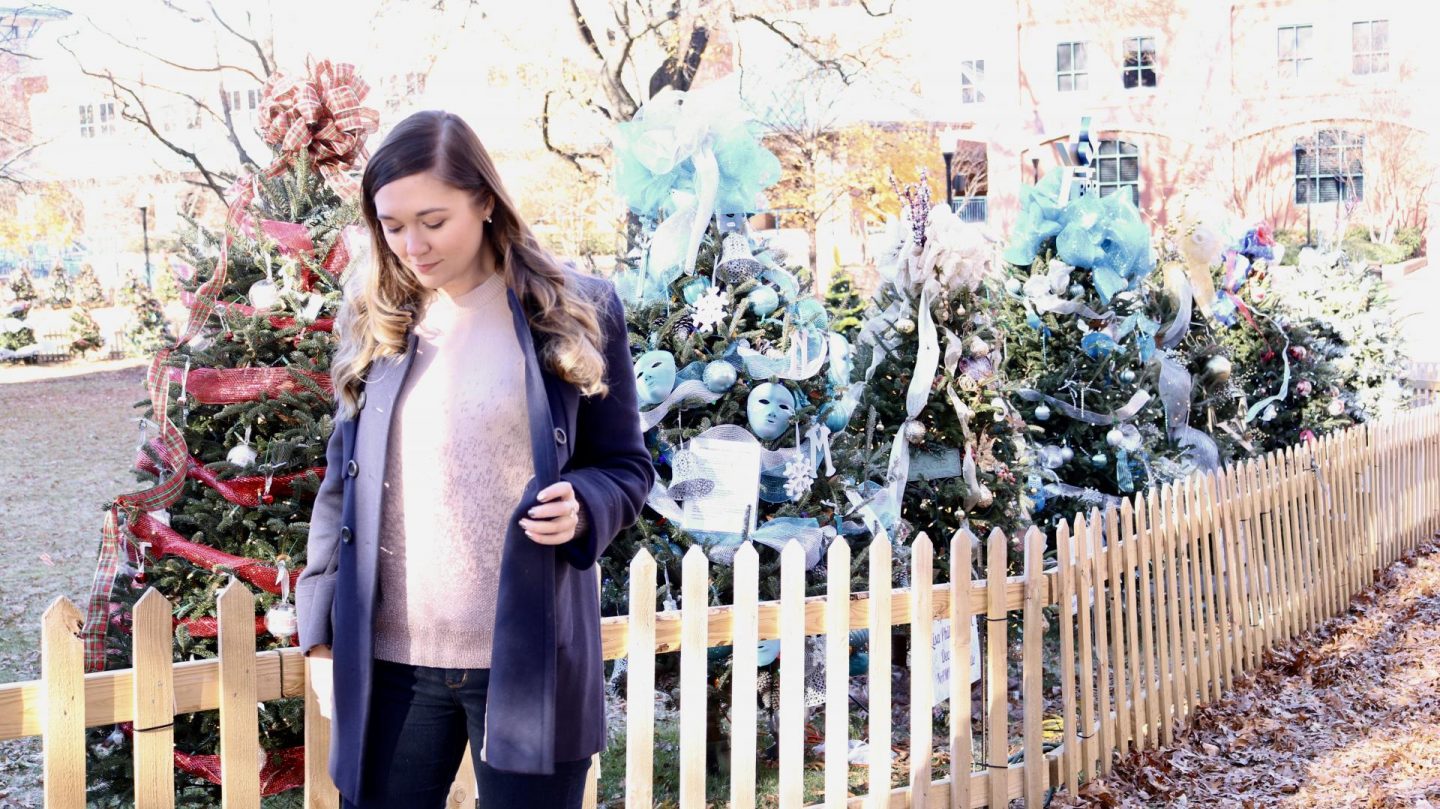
{"points": [[719, 376], [836, 416], [694, 289], [764, 300]]}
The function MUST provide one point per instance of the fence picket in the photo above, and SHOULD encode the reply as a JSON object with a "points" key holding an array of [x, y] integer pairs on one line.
{"points": [[695, 608], [239, 721], [1114, 555], [792, 676], [1230, 634], [1090, 747], [1102, 644], [1032, 670], [878, 679], [1145, 575], [1210, 636], [743, 677], [154, 693], [962, 735], [1130, 576], [320, 791], [640, 679], [997, 672], [922, 614], [1069, 744], [62, 712], [837, 677], [1163, 521]]}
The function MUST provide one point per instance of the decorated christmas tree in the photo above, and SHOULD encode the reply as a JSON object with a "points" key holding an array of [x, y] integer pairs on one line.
{"points": [[22, 286], [61, 290], [147, 331], [740, 380], [1096, 374], [943, 450], [88, 291], [235, 430], [84, 333], [17, 339], [846, 306]]}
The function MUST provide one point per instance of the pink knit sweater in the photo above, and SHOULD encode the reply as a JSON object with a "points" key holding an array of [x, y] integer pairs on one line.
{"points": [[457, 464]]}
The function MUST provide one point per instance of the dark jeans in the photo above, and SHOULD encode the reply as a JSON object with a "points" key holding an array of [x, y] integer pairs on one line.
{"points": [[420, 719]]}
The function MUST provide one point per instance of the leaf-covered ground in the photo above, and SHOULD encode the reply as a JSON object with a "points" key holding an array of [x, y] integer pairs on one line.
{"points": [[67, 441], [1347, 717]]}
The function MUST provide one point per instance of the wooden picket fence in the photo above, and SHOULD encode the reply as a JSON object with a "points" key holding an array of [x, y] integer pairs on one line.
{"points": [[1160, 604]]}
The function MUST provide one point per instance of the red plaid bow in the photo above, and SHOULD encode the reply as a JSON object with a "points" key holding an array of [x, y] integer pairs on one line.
{"points": [[320, 113]]}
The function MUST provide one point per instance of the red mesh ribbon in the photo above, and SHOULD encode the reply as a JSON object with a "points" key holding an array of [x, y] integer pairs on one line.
{"points": [[283, 769], [233, 385], [210, 627], [276, 321], [320, 113], [246, 491], [164, 541]]}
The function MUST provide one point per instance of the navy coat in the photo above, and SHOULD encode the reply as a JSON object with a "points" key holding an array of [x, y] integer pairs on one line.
{"points": [[546, 694]]}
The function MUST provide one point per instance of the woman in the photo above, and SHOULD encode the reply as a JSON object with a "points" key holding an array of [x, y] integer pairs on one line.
{"points": [[486, 450]]}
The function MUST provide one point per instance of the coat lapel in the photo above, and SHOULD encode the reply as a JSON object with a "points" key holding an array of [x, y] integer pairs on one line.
{"points": [[520, 705]]}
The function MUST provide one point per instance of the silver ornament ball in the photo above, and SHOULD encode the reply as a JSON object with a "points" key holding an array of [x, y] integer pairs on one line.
{"points": [[1114, 438], [1042, 412], [1068, 454], [1099, 459], [915, 432], [905, 325], [1218, 368], [1076, 290], [1127, 376], [719, 376]]}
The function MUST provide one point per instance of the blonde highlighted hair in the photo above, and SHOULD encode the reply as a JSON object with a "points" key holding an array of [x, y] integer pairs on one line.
{"points": [[382, 298]]}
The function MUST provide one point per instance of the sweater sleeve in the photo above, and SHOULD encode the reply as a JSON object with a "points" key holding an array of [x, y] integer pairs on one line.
{"points": [[610, 469]]}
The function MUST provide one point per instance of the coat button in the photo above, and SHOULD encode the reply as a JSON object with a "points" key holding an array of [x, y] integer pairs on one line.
{"points": [[559, 435], [345, 535], [352, 469]]}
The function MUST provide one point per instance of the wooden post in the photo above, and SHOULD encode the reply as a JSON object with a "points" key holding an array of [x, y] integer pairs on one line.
{"points": [[640, 681], [154, 694], [239, 721]]}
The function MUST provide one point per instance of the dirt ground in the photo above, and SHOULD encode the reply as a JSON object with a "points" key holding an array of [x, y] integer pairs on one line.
{"points": [[1348, 717], [67, 440]]}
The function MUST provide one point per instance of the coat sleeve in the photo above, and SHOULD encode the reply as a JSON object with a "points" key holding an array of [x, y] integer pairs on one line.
{"points": [[315, 589], [610, 468]]}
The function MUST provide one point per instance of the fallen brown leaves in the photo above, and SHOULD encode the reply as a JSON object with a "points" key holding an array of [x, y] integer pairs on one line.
{"points": [[1348, 716]]}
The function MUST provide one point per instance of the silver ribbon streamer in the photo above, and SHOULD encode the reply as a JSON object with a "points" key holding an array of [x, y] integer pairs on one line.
{"points": [[691, 391], [1125, 413]]}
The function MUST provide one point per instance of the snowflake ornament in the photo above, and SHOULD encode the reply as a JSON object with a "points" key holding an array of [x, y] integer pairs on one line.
{"points": [[710, 310], [799, 477]]}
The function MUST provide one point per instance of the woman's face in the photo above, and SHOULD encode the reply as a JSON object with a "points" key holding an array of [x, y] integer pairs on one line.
{"points": [[436, 230]]}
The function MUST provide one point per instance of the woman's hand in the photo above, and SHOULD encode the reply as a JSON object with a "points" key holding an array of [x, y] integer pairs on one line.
{"points": [[557, 519], [320, 670]]}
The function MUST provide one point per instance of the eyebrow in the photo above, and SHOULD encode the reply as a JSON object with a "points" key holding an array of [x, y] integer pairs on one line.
{"points": [[421, 213]]}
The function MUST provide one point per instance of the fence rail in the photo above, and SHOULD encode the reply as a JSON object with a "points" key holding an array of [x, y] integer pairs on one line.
{"points": [[1160, 604]]}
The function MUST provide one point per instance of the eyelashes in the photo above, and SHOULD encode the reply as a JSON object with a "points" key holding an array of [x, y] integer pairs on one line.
{"points": [[435, 226]]}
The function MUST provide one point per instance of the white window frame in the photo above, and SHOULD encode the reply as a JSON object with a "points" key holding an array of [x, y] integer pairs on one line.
{"points": [[1112, 152], [1373, 60], [1297, 64], [1345, 171], [1079, 77], [1136, 45], [972, 81]]}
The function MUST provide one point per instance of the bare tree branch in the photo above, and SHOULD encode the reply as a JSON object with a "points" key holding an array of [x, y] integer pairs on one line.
{"points": [[571, 157], [215, 180], [866, 5], [266, 63], [218, 68], [833, 64]]}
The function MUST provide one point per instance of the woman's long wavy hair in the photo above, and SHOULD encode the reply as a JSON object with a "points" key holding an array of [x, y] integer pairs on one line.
{"points": [[383, 299]]}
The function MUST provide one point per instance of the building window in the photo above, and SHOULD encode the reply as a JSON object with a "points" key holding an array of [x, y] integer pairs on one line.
{"points": [[1370, 42], [195, 120], [1329, 167], [1293, 49], [252, 98], [1072, 67], [1139, 62], [1117, 166], [972, 79], [87, 120], [107, 118]]}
